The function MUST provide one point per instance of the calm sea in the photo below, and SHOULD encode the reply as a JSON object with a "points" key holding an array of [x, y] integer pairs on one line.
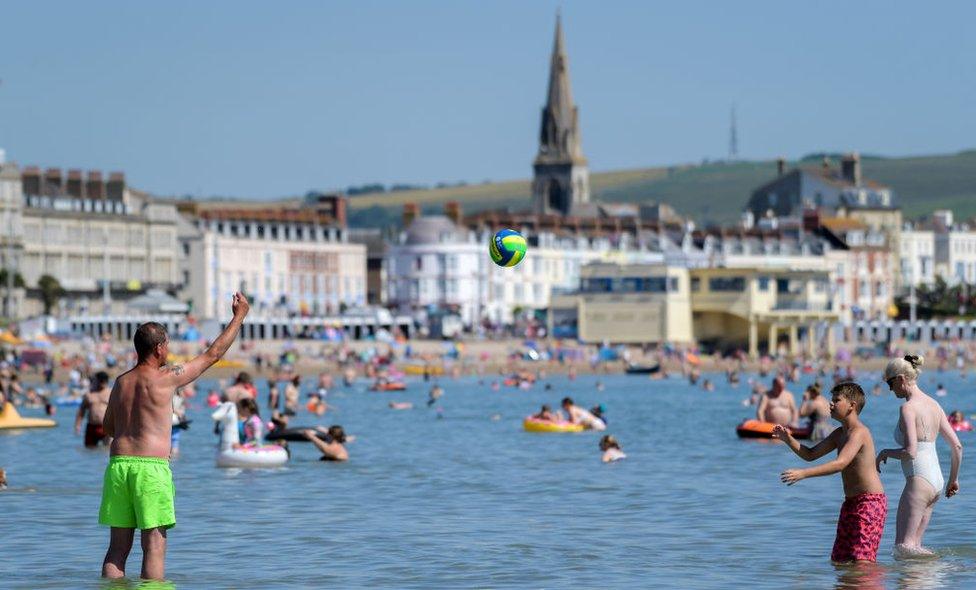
{"points": [[461, 497]]}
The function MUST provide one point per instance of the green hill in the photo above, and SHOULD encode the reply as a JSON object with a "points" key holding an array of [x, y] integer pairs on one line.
{"points": [[708, 192]]}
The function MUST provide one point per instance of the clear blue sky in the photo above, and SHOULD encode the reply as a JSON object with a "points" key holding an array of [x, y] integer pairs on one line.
{"points": [[270, 99]]}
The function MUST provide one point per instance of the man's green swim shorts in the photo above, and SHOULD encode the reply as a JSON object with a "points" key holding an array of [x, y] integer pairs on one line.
{"points": [[138, 493]]}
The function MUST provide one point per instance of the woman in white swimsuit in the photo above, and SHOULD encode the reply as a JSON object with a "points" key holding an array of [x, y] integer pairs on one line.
{"points": [[920, 423]]}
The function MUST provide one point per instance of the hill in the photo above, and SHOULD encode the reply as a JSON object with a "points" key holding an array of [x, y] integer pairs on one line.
{"points": [[713, 192]]}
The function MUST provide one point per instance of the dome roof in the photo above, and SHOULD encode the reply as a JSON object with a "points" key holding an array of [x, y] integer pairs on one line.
{"points": [[432, 229]]}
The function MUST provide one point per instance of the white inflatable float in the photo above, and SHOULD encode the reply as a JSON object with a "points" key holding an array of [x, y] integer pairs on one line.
{"points": [[249, 455]]}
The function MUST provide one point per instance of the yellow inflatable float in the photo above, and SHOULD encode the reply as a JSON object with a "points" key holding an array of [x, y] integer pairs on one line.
{"points": [[532, 424], [10, 418]]}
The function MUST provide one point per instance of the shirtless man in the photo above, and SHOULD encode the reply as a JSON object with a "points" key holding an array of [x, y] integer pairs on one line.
{"points": [[138, 486], [578, 415], [292, 395], [94, 404], [778, 405], [862, 516], [243, 387]]}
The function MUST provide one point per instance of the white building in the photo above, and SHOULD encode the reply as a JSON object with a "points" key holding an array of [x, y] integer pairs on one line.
{"points": [[917, 253], [955, 252], [288, 261], [103, 241]]}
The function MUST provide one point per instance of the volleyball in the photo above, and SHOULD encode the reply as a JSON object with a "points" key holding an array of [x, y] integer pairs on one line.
{"points": [[507, 247]]}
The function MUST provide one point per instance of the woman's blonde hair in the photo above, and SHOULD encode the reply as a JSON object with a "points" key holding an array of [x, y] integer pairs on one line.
{"points": [[909, 366]]}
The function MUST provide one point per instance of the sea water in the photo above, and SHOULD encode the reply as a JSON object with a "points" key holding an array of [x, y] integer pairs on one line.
{"points": [[459, 496]]}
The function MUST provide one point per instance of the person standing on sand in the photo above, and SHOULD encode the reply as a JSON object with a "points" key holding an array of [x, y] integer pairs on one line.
{"points": [[94, 404], [138, 488]]}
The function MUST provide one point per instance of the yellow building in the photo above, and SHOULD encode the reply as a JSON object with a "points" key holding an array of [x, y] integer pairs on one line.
{"points": [[626, 304], [755, 306]]}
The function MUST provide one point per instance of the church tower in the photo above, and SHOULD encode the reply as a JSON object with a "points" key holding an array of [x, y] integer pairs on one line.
{"points": [[561, 179]]}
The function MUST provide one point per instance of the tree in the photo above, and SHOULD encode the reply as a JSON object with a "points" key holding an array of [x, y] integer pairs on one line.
{"points": [[51, 292], [18, 279]]}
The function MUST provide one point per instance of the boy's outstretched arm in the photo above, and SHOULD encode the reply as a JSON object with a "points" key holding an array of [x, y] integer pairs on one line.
{"points": [[804, 452], [847, 454]]}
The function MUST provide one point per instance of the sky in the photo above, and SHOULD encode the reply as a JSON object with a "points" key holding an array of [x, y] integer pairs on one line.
{"points": [[268, 99]]}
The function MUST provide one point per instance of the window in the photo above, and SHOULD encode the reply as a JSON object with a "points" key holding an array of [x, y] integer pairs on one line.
{"points": [[764, 283], [695, 284], [596, 285], [673, 284], [727, 284]]}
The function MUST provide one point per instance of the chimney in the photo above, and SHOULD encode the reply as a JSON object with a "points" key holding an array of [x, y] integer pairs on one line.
{"points": [[115, 187], [52, 182], [75, 187], [339, 204], [453, 211], [780, 166], [30, 180], [411, 211], [811, 220], [850, 167], [95, 188]]}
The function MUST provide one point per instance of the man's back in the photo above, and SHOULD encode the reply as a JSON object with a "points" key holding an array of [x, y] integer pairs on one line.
{"points": [[97, 402], [141, 412]]}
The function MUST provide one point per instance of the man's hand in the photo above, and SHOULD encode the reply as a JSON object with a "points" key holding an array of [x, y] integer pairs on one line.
{"points": [[952, 489], [791, 476], [239, 306], [782, 433], [309, 433], [883, 458]]}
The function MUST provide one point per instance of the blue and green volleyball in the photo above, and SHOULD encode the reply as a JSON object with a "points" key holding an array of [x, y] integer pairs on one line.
{"points": [[507, 247]]}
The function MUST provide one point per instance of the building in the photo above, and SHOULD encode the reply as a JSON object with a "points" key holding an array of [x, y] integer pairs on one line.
{"points": [[626, 304], [823, 188], [103, 241], [289, 261], [561, 181], [917, 256], [437, 264]]}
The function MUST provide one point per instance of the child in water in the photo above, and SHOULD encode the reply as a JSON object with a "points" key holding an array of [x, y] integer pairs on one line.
{"points": [[251, 426], [547, 414], [862, 515], [611, 449]]}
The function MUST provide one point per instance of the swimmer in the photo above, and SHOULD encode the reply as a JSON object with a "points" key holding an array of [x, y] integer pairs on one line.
{"points": [[243, 387], [332, 449], [707, 385], [599, 386], [578, 415], [401, 406], [435, 394], [94, 404], [546, 414], [611, 449], [292, 393], [778, 405], [940, 391], [3, 479], [600, 412], [862, 515]]}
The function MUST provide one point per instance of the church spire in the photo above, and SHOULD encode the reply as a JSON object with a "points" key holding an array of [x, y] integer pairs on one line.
{"points": [[561, 181], [559, 137]]}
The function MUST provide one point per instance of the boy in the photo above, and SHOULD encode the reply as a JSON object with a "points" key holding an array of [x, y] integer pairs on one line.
{"points": [[137, 490], [862, 516]]}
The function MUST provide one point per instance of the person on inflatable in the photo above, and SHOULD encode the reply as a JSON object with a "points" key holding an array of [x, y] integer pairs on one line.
{"points": [[578, 415], [546, 414], [332, 449], [250, 425]]}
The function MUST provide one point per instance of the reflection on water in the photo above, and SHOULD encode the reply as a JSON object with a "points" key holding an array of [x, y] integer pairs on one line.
{"points": [[471, 500]]}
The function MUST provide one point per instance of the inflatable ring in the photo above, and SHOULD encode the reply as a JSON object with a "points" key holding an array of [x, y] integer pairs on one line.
{"points": [[532, 424], [759, 429]]}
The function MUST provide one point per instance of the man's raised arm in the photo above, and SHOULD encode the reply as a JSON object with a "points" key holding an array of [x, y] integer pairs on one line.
{"points": [[180, 375]]}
